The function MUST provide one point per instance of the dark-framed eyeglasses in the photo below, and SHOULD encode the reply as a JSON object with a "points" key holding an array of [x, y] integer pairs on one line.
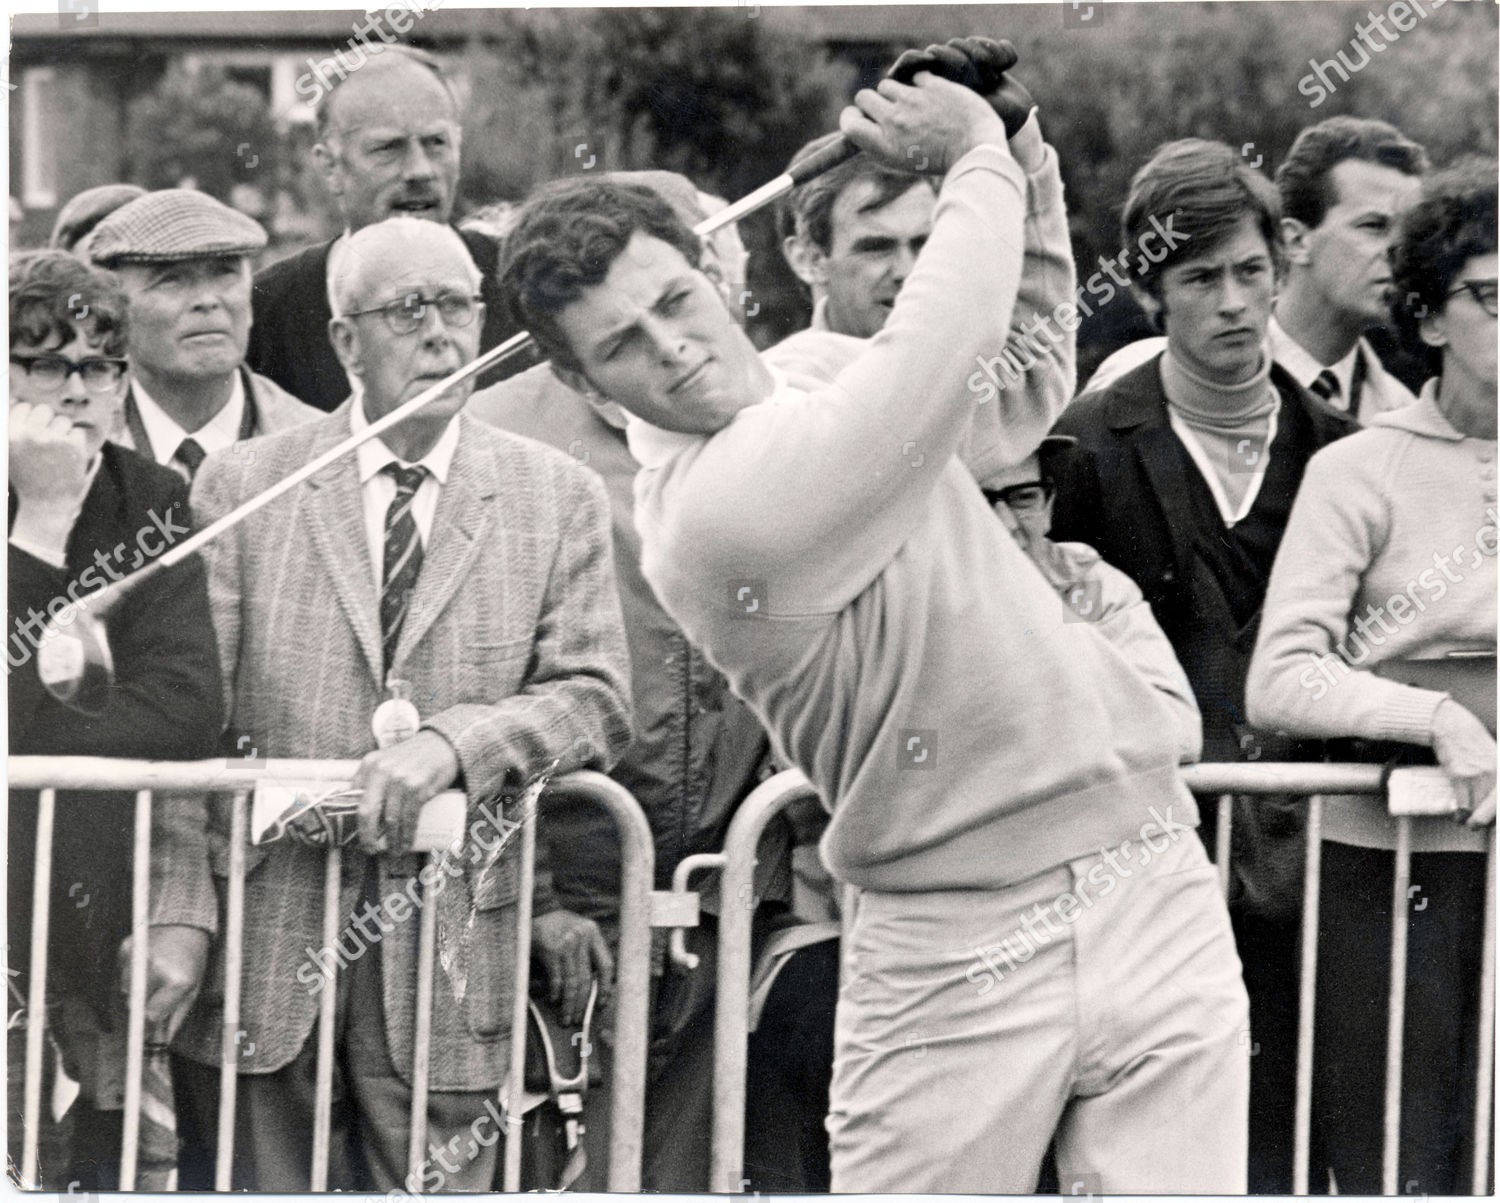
{"points": [[407, 313], [1024, 498], [50, 372], [1483, 292]]}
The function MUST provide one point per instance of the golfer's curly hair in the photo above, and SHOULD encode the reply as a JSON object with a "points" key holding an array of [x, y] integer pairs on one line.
{"points": [[54, 295], [1452, 223], [567, 237], [1202, 189]]}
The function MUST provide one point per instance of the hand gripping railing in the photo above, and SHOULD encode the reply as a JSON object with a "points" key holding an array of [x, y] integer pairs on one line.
{"points": [[1223, 780], [50, 774]]}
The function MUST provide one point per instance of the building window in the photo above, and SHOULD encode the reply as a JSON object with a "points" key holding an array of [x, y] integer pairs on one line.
{"points": [[38, 143]]}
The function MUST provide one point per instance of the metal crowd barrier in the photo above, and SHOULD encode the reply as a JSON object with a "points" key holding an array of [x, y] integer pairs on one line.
{"points": [[1223, 780], [50, 774]]}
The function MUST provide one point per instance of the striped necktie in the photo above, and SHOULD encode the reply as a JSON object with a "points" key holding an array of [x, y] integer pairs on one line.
{"points": [[188, 455], [403, 556], [1326, 386]]}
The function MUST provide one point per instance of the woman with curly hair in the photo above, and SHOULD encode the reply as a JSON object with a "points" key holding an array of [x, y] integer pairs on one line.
{"points": [[1379, 635]]}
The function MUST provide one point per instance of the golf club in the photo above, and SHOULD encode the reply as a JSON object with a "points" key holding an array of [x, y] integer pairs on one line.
{"points": [[74, 660]]}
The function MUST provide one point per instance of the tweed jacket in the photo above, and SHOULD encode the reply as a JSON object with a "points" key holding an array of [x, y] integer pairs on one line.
{"points": [[514, 648]]}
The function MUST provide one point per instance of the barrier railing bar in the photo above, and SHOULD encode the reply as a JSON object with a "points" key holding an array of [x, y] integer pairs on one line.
{"points": [[1483, 1132], [1307, 996], [515, 1084], [36, 996], [135, 1026], [633, 972], [1222, 841], [1396, 1015], [732, 992], [422, 1037], [234, 964], [333, 884]]}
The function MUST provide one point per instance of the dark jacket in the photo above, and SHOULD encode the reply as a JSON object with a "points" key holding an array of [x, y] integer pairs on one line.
{"points": [[289, 339], [1130, 489], [167, 704]]}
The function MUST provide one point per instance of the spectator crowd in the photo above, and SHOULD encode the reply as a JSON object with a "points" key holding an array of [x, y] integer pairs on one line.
{"points": [[988, 615]]}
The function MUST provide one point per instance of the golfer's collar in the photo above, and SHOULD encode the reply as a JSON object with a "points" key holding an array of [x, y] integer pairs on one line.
{"points": [[654, 447]]}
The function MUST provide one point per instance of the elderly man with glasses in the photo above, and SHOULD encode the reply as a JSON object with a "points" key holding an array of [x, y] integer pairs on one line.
{"points": [[462, 571]]}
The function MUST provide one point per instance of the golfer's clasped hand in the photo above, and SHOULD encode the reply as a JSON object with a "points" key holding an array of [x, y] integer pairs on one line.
{"points": [[927, 125]]}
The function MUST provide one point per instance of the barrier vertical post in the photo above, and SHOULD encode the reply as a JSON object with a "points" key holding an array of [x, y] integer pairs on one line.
{"points": [[1307, 996], [323, 1090], [135, 1024], [36, 994], [516, 1081], [422, 1036], [1222, 841], [1396, 1018], [234, 965], [1484, 1081]]}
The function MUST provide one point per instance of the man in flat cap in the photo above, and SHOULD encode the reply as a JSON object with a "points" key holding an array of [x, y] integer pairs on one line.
{"points": [[183, 259]]}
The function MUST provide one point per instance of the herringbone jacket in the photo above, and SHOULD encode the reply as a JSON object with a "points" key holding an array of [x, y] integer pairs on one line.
{"points": [[515, 651]]}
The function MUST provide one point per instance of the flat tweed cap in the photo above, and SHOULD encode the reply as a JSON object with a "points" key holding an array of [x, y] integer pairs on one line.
{"points": [[171, 225]]}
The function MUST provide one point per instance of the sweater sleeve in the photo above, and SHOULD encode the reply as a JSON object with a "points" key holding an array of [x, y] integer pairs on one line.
{"points": [[1127, 622], [1015, 409], [1298, 682], [818, 493]]}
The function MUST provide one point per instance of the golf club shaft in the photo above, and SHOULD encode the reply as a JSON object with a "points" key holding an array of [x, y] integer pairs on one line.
{"points": [[831, 156]]}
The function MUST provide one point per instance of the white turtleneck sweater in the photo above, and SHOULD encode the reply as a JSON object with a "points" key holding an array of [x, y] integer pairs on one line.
{"points": [[1227, 429]]}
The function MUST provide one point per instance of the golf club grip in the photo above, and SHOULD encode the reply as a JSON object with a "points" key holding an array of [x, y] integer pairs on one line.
{"points": [[824, 160]]}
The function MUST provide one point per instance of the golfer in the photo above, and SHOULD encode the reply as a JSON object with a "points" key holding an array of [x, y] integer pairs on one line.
{"points": [[994, 768]]}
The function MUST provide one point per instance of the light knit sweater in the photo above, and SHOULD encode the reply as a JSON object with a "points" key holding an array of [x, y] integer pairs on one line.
{"points": [[1389, 554], [835, 559]]}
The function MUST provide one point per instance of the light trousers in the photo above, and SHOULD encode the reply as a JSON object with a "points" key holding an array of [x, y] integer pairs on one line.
{"points": [[1100, 1002]]}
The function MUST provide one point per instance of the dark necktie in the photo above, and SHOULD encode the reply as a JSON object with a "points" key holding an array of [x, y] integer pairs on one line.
{"points": [[1326, 386], [187, 457], [403, 556]]}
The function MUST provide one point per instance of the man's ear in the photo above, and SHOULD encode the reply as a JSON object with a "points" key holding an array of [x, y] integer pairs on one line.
{"points": [[1154, 310], [575, 380], [1294, 242], [1431, 330], [806, 259], [327, 164], [345, 339]]}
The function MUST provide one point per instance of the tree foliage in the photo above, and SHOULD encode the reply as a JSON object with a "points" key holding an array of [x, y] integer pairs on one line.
{"points": [[197, 125]]}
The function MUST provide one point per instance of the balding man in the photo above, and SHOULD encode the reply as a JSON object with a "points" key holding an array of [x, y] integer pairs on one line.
{"points": [[470, 570], [388, 144]]}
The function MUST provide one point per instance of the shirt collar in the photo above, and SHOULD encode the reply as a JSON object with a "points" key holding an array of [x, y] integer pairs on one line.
{"points": [[820, 314], [374, 455], [166, 435], [653, 447], [1304, 369]]}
